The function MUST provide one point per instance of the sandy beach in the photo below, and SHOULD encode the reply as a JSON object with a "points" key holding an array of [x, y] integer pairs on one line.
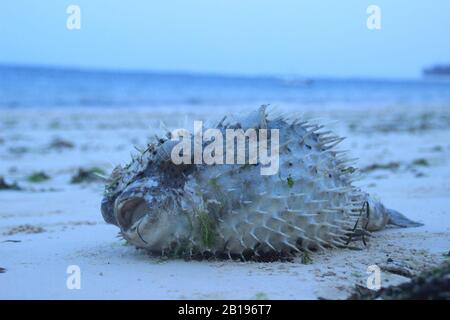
{"points": [[54, 220]]}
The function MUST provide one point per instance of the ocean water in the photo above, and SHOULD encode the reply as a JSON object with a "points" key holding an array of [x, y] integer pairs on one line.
{"points": [[22, 87]]}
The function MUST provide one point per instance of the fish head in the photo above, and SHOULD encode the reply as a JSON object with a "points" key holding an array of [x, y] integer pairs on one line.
{"points": [[146, 204]]}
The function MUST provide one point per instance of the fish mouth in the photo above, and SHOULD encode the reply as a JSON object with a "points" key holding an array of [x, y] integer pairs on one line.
{"points": [[130, 211], [108, 211]]}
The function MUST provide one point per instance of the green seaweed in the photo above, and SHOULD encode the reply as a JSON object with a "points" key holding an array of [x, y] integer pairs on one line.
{"points": [[261, 296], [182, 250], [8, 186], [348, 170], [38, 177], [54, 124], [437, 149], [207, 229], [214, 183], [306, 258], [421, 162], [87, 175], [290, 181], [382, 166], [60, 144]]}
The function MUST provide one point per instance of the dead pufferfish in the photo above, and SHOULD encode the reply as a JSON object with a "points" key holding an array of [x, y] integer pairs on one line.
{"points": [[231, 210]]}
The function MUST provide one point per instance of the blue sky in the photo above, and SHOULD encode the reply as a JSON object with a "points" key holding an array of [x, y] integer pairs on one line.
{"points": [[280, 37]]}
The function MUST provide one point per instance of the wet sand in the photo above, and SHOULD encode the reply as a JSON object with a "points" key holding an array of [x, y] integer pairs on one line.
{"points": [[52, 223]]}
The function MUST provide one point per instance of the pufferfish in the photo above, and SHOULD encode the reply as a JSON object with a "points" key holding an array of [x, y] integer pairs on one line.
{"points": [[232, 210]]}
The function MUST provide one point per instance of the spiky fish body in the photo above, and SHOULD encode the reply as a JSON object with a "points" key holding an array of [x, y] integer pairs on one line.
{"points": [[232, 209]]}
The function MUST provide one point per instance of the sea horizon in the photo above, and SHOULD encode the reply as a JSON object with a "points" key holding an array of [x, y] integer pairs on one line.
{"points": [[23, 85]]}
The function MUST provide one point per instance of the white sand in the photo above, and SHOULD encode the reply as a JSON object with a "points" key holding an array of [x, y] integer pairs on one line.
{"points": [[74, 232]]}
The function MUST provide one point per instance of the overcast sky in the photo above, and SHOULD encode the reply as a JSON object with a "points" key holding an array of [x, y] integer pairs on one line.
{"points": [[280, 37]]}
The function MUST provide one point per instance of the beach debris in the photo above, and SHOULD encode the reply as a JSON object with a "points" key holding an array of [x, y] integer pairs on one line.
{"points": [[420, 175], [395, 165], [406, 122], [433, 284], [24, 228], [60, 144], [54, 124], [306, 258], [421, 162], [381, 166], [13, 170], [233, 210], [18, 150], [37, 177], [82, 223], [261, 296], [397, 269], [93, 174], [437, 149], [8, 186]]}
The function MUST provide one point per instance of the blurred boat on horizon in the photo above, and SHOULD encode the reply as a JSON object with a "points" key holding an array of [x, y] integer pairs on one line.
{"points": [[438, 71]]}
